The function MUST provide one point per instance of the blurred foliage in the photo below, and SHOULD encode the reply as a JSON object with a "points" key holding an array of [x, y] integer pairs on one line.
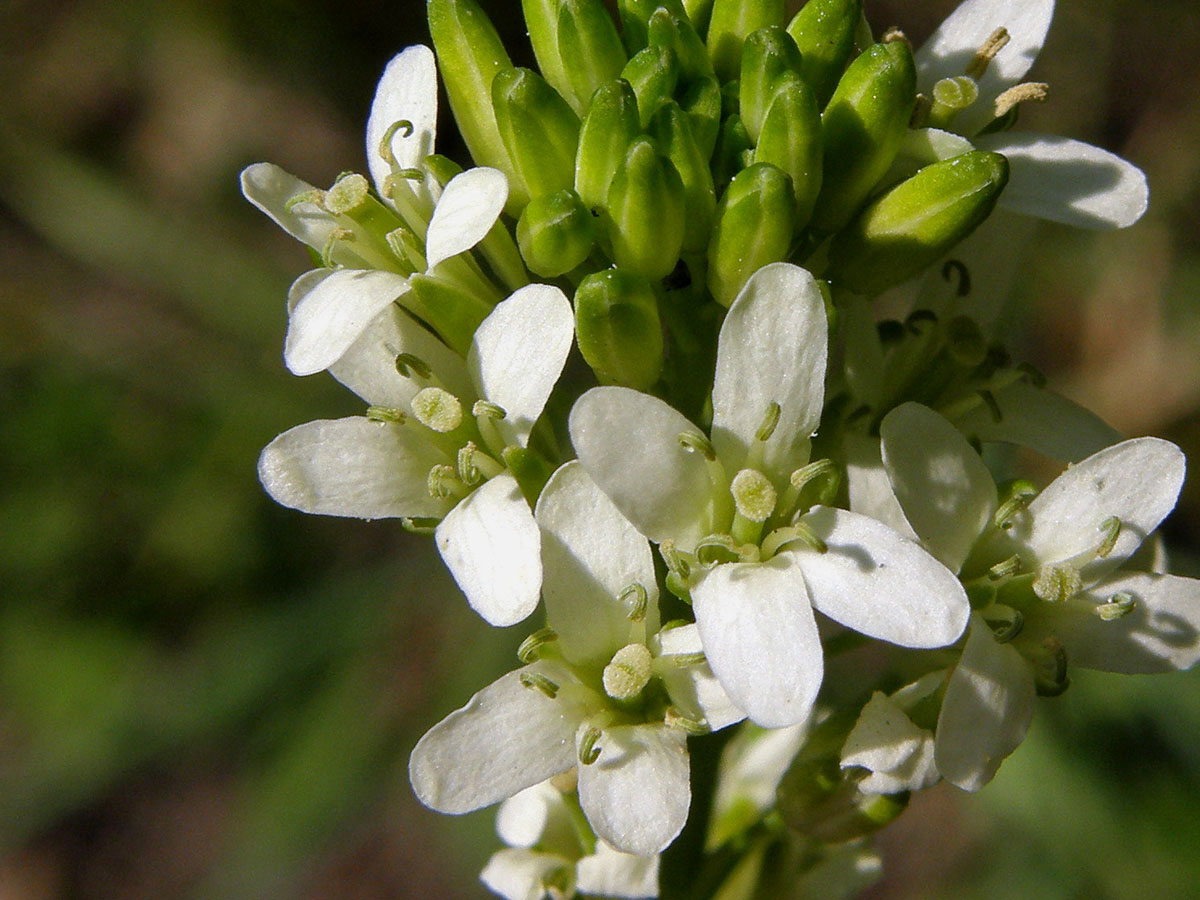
{"points": [[203, 695]]}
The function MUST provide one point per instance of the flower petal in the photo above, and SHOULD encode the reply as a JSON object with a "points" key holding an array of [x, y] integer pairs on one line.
{"points": [[492, 547], [946, 491], [760, 638], [518, 874], [1137, 481], [328, 319], [869, 488], [508, 737], [1068, 181], [518, 353], [986, 712], [1160, 634], [885, 741], [879, 583], [1041, 420], [465, 213], [694, 689], [270, 188], [590, 554], [611, 873], [771, 350], [522, 818], [629, 444], [636, 794], [407, 91], [952, 46], [352, 467]]}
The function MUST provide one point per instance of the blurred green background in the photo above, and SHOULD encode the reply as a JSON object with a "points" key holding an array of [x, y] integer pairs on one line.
{"points": [[203, 695]]}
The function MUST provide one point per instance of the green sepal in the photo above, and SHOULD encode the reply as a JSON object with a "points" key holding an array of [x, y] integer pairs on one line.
{"points": [[731, 22], [669, 30], [442, 168], [539, 130], [618, 328], [588, 41], [917, 222], [768, 54], [451, 311], [646, 212], [699, 13], [863, 126], [701, 101], [755, 221], [541, 24], [530, 469], [791, 139], [653, 74], [635, 21], [734, 151], [672, 129], [556, 233], [470, 54], [609, 127], [824, 32]]}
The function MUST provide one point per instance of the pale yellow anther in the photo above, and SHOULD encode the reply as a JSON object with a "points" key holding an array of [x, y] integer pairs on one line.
{"points": [[628, 673], [987, 52], [437, 409], [348, 194], [753, 495], [1020, 93]]}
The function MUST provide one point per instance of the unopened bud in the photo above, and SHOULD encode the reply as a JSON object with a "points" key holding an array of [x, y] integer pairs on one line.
{"points": [[791, 140], [673, 131], [731, 23], [618, 329], [653, 74], [635, 20], [608, 128], [702, 103], [768, 54], [555, 233], [676, 32], [755, 220], [646, 212], [824, 33], [589, 47], [539, 130]]}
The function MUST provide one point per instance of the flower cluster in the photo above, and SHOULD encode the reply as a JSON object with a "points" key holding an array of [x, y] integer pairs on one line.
{"points": [[747, 471]]}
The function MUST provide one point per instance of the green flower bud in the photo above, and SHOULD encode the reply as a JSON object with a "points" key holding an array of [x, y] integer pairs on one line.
{"points": [[541, 24], [767, 54], [667, 30], [862, 126], [653, 74], [608, 128], [470, 54], [699, 13], [635, 20], [732, 21], [591, 47], [618, 330], [556, 233], [755, 220], [734, 151], [791, 139], [702, 103], [824, 31], [917, 222], [646, 212], [538, 129], [673, 132], [451, 311]]}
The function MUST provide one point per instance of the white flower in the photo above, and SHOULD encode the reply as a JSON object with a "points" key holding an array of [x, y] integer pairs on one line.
{"points": [[1054, 565], [724, 513], [611, 694], [1050, 177], [886, 742], [434, 444], [547, 855]]}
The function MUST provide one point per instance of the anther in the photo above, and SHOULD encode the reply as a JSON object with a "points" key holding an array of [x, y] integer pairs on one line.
{"points": [[530, 648], [409, 365], [694, 442], [676, 562], [538, 682], [1020, 93], [386, 414], [315, 196], [957, 267], [1020, 495], [437, 409], [467, 470], [1057, 583], [628, 672], [406, 247], [987, 52], [1006, 623], [684, 660], [673, 718], [1005, 569], [588, 751], [894, 34], [753, 495], [337, 234], [1112, 530], [714, 549], [443, 482], [1050, 670], [489, 409], [822, 468], [770, 421], [965, 341], [385, 143], [422, 525], [919, 321], [790, 534], [1118, 606], [989, 400], [636, 599], [1035, 375]]}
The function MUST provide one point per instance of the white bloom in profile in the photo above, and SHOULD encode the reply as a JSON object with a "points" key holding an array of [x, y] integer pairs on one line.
{"points": [[606, 690], [898, 753], [732, 520], [971, 68], [547, 856], [434, 443], [1052, 571]]}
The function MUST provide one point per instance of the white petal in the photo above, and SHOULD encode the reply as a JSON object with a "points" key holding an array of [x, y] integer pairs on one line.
{"points": [[636, 794], [517, 874], [611, 873], [506, 738], [590, 553], [328, 319], [987, 710], [629, 444], [1041, 420], [946, 491], [407, 91], [877, 582], [752, 765], [897, 752], [465, 213], [369, 367], [771, 350], [518, 353], [920, 148], [492, 547], [869, 488], [1138, 481], [1160, 634], [352, 467], [952, 46], [270, 189], [760, 638], [521, 819], [1068, 181], [694, 689]]}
